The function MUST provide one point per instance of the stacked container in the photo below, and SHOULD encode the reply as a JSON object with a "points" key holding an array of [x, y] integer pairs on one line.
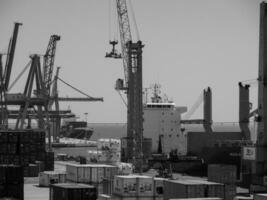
{"points": [[225, 174], [51, 177], [11, 182], [23, 148], [70, 191]]}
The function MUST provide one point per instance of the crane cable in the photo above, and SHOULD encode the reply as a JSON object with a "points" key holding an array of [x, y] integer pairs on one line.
{"points": [[194, 107], [74, 88], [19, 76]]}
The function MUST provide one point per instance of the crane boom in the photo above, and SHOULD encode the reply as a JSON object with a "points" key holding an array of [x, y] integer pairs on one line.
{"points": [[10, 55], [48, 63], [125, 33]]}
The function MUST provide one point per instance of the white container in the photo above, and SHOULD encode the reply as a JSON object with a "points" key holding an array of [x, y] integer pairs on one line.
{"points": [[145, 186], [134, 186], [88, 173], [125, 185], [50, 177]]}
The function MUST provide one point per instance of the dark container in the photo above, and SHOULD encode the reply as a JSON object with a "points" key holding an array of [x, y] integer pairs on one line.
{"points": [[40, 165], [13, 137], [49, 161], [3, 148], [33, 170], [3, 191], [3, 137], [15, 191], [2, 175], [14, 174], [71, 191]]}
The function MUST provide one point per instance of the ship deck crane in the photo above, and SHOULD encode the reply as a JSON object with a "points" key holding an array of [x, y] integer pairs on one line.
{"points": [[132, 65]]}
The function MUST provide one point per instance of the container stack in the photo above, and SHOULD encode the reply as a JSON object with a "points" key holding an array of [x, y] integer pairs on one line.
{"points": [[133, 187], [11, 182], [51, 177], [99, 175], [23, 148], [225, 174], [70, 191]]}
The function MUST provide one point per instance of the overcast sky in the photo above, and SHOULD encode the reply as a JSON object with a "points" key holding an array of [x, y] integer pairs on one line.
{"points": [[189, 45]]}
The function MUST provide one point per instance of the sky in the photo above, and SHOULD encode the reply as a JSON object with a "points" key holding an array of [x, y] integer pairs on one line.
{"points": [[189, 45]]}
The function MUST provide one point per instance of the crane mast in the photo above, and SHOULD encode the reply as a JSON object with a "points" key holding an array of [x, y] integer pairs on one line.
{"points": [[132, 64], [48, 63]]}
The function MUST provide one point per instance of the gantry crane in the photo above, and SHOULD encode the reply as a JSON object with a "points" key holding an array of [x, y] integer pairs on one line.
{"points": [[132, 64]]}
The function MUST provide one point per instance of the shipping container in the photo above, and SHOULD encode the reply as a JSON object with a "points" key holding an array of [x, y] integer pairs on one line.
{"points": [[71, 191], [229, 192], [260, 196], [212, 189], [222, 173], [125, 185], [13, 174], [51, 177], [159, 187], [108, 187], [15, 190], [183, 189], [134, 185], [89, 173], [145, 186]]}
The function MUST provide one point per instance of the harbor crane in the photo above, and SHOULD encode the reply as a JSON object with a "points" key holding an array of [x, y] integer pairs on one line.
{"points": [[132, 84]]}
